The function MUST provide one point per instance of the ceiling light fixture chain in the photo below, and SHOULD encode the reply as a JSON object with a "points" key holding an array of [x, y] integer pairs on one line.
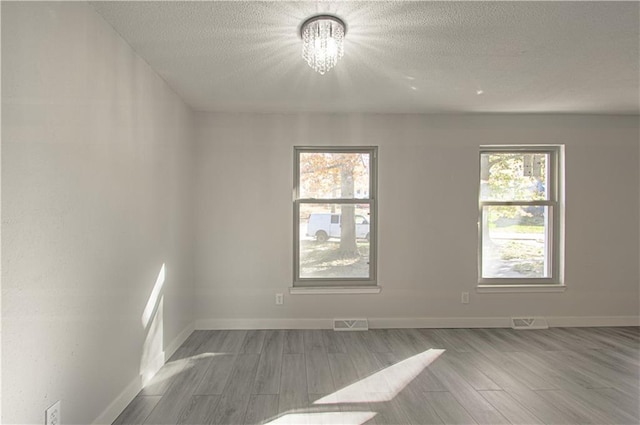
{"points": [[322, 41]]}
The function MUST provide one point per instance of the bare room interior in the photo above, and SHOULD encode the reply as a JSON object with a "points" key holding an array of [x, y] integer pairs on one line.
{"points": [[320, 212]]}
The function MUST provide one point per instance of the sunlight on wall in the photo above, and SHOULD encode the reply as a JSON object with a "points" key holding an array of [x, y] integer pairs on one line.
{"points": [[386, 384], [152, 358], [328, 418], [153, 298], [153, 350]]}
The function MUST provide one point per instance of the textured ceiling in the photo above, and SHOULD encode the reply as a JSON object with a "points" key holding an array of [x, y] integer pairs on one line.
{"points": [[411, 57]]}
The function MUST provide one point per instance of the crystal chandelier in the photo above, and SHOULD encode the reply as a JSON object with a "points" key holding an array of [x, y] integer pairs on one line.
{"points": [[322, 41]]}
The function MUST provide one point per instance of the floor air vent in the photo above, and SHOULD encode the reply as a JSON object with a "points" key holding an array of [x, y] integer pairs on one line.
{"points": [[350, 325], [529, 323]]}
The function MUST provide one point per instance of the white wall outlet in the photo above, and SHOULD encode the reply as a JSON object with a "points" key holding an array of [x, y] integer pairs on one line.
{"points": [[52, 414], [465, 298], [279, 299]]}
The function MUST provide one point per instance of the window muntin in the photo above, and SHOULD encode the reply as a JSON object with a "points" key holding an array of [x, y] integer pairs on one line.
{"points": [[519, 215], [334, 216]]}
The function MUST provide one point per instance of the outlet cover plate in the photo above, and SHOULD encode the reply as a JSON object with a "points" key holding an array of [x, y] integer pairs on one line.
{"points": [[465, 298], [52, 414]]}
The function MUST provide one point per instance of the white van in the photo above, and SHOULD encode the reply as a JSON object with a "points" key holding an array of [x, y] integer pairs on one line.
{"points": [[323, 226]]}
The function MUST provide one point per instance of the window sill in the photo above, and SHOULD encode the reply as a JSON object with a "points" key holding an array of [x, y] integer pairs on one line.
{"points": [[328, 290], [520, 288]]}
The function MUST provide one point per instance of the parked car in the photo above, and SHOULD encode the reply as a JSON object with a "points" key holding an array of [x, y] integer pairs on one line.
{"points": [[323, 226]]}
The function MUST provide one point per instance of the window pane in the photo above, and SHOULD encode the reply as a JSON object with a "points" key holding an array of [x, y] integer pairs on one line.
{"points": [[515, 242], [326, 175], [514, 176], [334, 241]]}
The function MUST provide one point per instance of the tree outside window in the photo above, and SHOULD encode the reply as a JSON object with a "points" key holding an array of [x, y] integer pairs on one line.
{"points": [[334, 211], [519, 215]]}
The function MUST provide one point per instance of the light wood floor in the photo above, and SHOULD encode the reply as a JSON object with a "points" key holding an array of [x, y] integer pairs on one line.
{"points": [[397, 376]]}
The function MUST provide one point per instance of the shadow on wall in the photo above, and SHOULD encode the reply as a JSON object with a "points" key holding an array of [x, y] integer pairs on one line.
{"points": [[152, 322]]}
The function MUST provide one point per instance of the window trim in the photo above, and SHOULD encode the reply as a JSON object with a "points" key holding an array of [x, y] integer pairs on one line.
{"points": [[371, 281], [555, 231]]}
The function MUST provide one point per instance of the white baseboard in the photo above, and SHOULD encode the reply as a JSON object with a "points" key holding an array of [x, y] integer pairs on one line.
{"points": [[374, 323], [414, 322], [178, 341], [149, 370], [439, 322], [116, 407], [592, 321], [215, 324]]}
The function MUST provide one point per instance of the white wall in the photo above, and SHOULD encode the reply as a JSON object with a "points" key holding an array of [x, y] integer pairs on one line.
{"points": [[428, 171], [96, 178], [96, 197]]}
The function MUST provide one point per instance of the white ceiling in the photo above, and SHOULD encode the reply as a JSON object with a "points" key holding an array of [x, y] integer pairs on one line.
{"points": [[410, 57]]}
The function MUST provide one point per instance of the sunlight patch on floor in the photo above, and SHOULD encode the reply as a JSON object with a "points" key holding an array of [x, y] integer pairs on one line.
{"points": [[395, 378], [176, 367], [325, 418]]}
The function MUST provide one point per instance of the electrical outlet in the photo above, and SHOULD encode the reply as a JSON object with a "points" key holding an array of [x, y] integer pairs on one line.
{"points": [[279, 299], [52, 414], [465, 298]]}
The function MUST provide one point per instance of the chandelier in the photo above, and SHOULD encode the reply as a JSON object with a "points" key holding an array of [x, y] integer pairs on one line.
{"points": [[322, 41]]}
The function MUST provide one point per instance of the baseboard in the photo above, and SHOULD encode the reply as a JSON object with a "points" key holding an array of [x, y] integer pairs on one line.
{"points": [[215, 324], [415, 322], [179, 340], [374, 323], [439, 322], [116, 407], [592, 321], [149, 370]]}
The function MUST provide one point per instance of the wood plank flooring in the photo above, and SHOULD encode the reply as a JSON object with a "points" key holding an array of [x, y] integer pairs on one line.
{"points": [[397, 376]]}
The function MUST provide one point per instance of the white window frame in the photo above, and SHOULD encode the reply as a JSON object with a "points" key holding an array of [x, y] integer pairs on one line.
{"points": [[371, 281], [555, 231]]}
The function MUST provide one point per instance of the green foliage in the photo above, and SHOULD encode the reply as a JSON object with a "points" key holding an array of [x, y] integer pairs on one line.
{"points": [[504, 179]]}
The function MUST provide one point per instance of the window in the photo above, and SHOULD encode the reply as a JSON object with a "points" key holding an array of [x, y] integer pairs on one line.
{"points": [[335, 216], [520, 215]]}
